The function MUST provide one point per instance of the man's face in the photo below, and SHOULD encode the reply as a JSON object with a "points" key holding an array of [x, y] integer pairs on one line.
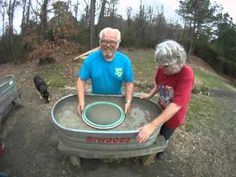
{"points": [[109, 44]]}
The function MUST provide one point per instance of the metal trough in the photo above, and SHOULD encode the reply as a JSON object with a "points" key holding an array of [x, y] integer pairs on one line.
{"points": [[8, 93], [76, 137]]}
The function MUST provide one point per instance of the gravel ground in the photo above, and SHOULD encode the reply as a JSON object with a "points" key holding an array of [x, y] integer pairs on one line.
{"points": [[30, 150]]}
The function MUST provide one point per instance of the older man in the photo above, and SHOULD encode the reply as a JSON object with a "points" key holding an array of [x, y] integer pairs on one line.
{"points": [[108, 69]]}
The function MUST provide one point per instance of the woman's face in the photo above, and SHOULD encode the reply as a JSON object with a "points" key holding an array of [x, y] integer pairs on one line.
{"points": [[169, 70], [165, 69]]}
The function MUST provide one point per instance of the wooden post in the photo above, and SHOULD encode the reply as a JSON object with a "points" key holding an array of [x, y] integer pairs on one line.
{"points": [[84, 55]]}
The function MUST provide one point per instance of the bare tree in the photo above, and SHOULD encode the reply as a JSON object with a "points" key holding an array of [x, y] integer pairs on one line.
{"points": [[25, 14], [24, 3], [76, 8], [43, 18], [112, 8], [91, 23], [101, 15], [11, 9], [28, 12], [199, 18], [3, 9]]}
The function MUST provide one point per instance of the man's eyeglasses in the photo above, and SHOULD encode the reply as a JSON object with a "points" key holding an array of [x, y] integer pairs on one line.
{"points": [[111, 43]]}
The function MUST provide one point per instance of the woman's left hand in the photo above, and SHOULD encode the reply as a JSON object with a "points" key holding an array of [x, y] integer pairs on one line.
{"points": [[145, 132]]}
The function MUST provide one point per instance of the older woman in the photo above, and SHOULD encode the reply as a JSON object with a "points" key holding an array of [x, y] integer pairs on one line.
{"points": [[174, 81]]}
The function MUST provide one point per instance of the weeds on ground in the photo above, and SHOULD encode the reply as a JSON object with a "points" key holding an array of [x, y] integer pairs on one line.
{"points": [[211, 80], [144, 65], [203, 112], [53, 75]]}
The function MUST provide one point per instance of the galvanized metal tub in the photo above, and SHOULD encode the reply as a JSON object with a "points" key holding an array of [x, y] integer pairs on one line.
{"points": [[74, 133], [8, 93]]}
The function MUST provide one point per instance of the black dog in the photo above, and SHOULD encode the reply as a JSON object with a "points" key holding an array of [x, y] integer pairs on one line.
{"points": [[42, 88]]}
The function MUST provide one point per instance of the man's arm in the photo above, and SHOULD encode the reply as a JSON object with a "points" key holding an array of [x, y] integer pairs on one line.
{"points": [[129, 90], [80, 92]]}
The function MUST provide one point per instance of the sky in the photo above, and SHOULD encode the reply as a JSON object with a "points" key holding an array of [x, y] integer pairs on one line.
{"points": [[169, 7]]}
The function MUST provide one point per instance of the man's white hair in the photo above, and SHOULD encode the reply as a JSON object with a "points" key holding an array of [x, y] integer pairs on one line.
{"points": [[172, 54], [108, 29]]}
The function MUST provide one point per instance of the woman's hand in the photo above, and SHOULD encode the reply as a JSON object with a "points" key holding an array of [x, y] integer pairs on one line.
{"points": [[145, 132], [144, 96]]}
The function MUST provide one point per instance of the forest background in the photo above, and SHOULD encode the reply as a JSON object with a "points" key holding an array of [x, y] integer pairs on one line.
{"points": [[49, 28]]}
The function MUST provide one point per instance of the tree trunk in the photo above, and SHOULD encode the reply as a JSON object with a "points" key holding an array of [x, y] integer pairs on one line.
{"points": [[43, 19], [91, 23], [102, 12], [76, 9], [101, 18], [3, 22], [10, 17], [28, 12], [23, 18], [192, 38], [11, 9]]}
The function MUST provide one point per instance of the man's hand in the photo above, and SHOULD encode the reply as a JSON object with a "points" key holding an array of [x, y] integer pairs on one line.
{"points": [[80, 108], [127, 108], [145, 132]]}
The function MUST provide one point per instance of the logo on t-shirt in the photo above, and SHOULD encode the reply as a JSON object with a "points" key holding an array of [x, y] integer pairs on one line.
{"points": [[166, 95], [119, 72]]}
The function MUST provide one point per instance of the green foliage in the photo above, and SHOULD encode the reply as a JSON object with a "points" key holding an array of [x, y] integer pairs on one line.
{"points": [[213, 54], [83, 37], [15, 52], [206, 51], [220, 52], [198, 15], [5, 55], [63, 25], [226, 40]]}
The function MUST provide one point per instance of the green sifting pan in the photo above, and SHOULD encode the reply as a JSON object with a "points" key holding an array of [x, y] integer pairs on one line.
{"points": [[103, 115]]}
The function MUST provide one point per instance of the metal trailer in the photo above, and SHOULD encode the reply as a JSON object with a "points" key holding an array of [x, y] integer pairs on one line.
{"points": [[8, 94], [80, 140]]}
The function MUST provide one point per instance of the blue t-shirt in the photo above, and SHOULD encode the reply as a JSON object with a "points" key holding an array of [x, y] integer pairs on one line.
{"points": [[106, 76]]}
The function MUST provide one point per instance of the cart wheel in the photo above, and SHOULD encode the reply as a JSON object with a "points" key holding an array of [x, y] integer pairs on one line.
{"points": [[75, 160]]}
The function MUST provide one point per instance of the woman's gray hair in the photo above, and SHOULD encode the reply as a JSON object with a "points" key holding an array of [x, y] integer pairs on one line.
{"points": [[171, 54]]}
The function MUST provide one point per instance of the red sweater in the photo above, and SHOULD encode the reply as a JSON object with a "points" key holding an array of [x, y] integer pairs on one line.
{"points": [[177, 89]]}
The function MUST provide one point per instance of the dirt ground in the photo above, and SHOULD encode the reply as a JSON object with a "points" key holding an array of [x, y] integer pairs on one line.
{"points": [[30, 149]]}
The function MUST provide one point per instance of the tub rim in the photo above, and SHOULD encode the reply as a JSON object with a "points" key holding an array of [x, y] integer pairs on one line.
{"points": [[98, 131], [12, 76]]}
